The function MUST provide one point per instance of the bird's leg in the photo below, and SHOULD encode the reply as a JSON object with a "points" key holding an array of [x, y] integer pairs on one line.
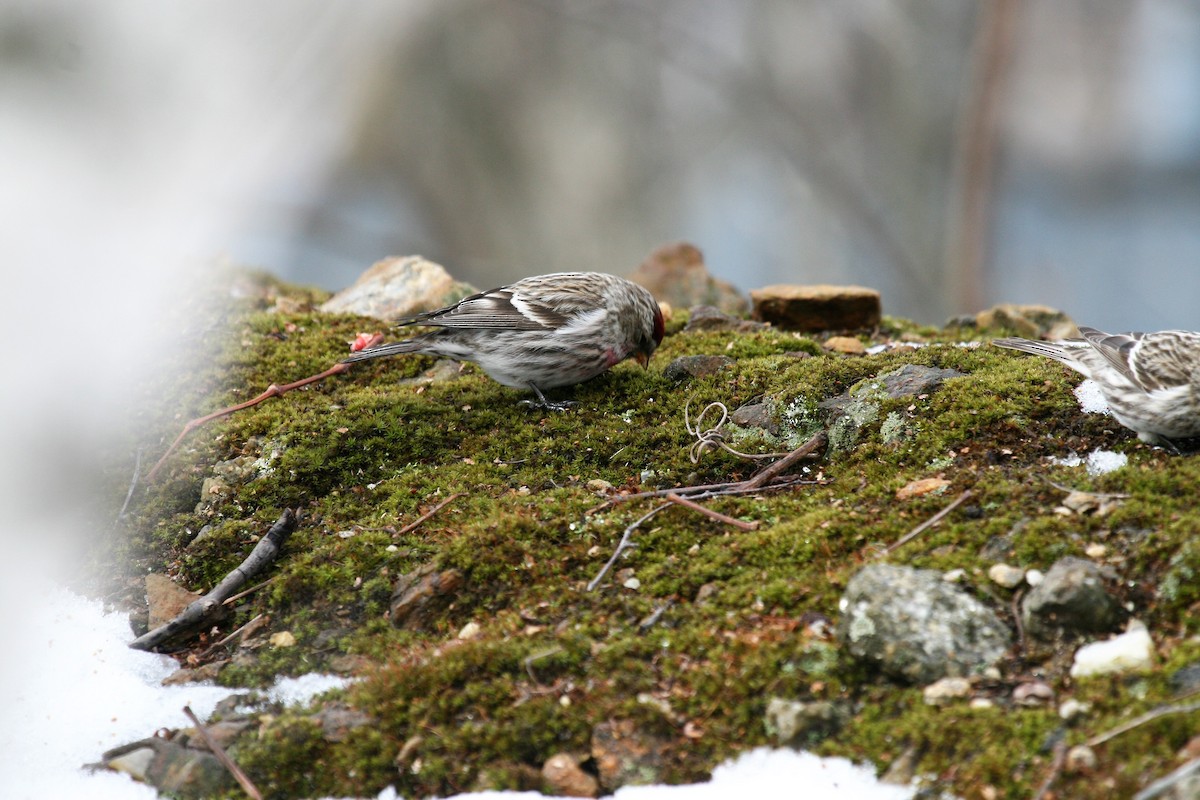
{"points": [[542, 402]]}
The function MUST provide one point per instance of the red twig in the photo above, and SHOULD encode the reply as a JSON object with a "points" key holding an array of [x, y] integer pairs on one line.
{"points": [[243, 780], [708, 512]]}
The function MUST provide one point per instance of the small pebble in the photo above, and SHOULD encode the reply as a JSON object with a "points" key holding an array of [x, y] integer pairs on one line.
{"points": [[471, 630], [954, 575], [1131, 651], [946, 691], [1007, 576], [1081, 760], [1032, 694], [632, 583], [1072, 709], [1034, 576], [1095, 550]]}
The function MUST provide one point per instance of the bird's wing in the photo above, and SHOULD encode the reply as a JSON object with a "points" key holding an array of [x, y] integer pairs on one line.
{"points": [[496, 309], [1164, 360]]}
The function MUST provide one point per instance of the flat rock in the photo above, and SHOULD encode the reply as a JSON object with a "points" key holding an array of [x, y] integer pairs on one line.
{"points": [[422, 593], [1030, 321], [686, 367], [675, 273], [916, 627], [565, 778], [398, 287], [172, 768], [711, 318], [166, 599], [818, 307], [625, 755]]}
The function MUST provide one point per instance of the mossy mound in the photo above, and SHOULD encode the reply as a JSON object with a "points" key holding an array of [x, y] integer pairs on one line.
{"points": [[699, 625]]}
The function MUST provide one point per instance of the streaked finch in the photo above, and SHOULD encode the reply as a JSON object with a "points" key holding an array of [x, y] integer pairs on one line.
{"points": [[1150, 380], [541, 332]]}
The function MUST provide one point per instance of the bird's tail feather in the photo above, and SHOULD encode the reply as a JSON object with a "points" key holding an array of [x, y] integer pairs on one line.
{"points": [[390, 349]]}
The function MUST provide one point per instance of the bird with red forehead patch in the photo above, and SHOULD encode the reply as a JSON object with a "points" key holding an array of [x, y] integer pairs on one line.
{"points": [[541, 332]]}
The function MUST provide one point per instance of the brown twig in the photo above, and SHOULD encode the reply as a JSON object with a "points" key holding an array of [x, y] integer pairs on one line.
{"points": [[1060, 758], [1149, 716], [137, 471], [234, 598], [241, 777], [927, 524], [212, 648], [410, 526], [274, 390], [623, 545], [708, 512], [781, 466], [699, 492]]}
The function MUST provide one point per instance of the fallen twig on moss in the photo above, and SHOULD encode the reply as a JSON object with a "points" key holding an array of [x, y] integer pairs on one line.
{"points": [[624, 544], [238, 775], [201, 612], [708, 512], [1060, 758], [1149, 716], [274, 390], [416, 522], [929, 523]]}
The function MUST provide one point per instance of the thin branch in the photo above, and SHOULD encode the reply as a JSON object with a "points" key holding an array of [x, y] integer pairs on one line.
{"points": [[708, 512], [704, 491], [1169, 781], [137, 471], [243, 780], [1149, 716], [416, 522], [212, 648], [1060, 758], [200, 612], [273, 390], [781, 466], [228, 601], [927, 524], [623, 545]]}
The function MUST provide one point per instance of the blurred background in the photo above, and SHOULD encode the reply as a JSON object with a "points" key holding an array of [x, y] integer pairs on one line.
{"points": [[950, 154]]}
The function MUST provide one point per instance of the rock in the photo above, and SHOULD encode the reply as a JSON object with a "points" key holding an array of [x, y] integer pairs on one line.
{"points": [[794, 723], [205, 672], [945, 691], [710, 318], [676, 273], [224, 733], [472, 630], [171, 767], [337, 720], [398, 287], [1186, 679], [421, 594], [1070, 601], [913, 379], [1030, 321], [1034, 577], [1132, 651], [166, 599], [848, 413], [625, 755], [845, 344], [921, 487], [916, 627], [817, 308], [756, 415], [1081, 760], [1033, 694], [1071, 709], [686, 367], [1009, 577], [565, 778], [282, 639]]}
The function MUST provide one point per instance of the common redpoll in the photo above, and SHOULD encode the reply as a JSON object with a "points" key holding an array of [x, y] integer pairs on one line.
{"points": [[1150, 380], [541, 332]]}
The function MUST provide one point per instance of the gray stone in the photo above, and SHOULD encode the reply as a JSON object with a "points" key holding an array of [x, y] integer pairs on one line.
{"points": [[686, 367], [172, 767], [710, 318], [675, 273], [1070, 601], [795, 723], [916, 627]]}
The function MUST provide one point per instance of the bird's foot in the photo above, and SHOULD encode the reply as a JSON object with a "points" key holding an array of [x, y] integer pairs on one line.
{"points": [[548, 405]]}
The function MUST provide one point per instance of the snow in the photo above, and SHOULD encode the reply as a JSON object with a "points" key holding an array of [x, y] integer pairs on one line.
{"points": [[79, 690], [1098, 462], [1090, 398]]}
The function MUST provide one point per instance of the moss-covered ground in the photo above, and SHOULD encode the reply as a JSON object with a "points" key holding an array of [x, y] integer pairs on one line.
{"points": [[363, 454]]}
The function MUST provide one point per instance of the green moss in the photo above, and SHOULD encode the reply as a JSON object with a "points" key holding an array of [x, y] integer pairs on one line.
{"points": [[364, 454]]}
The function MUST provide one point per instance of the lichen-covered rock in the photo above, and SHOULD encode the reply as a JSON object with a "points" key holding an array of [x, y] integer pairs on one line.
{"points": [[675, 273], [796, 723], [916, 627], [171, 767], [626, 755], [1071, 600], [817, 308], [398, 287], [422, 593], [1030, 321]]}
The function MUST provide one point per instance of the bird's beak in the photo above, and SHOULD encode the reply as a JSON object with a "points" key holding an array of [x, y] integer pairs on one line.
{"points": [[642, 358]]}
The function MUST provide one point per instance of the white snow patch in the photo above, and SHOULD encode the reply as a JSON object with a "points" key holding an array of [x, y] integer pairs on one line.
{"points": [[298, 691], [1090, 398], [1098, 462]]}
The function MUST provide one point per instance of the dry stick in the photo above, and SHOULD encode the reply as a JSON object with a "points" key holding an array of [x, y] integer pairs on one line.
{"points": [[201, 611], [1060, 758], [410, 526], [929, 523], [787, 462], [700, 491], [137, 470], [1168, 781], [243, 780], [708, 512], [624, 544], [228, 601], [1153, 714], [273, 390], [227, 639]]}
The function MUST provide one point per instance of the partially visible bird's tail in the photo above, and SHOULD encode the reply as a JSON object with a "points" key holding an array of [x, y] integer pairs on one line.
{"points": [[390, 349], [1060, 353]]}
